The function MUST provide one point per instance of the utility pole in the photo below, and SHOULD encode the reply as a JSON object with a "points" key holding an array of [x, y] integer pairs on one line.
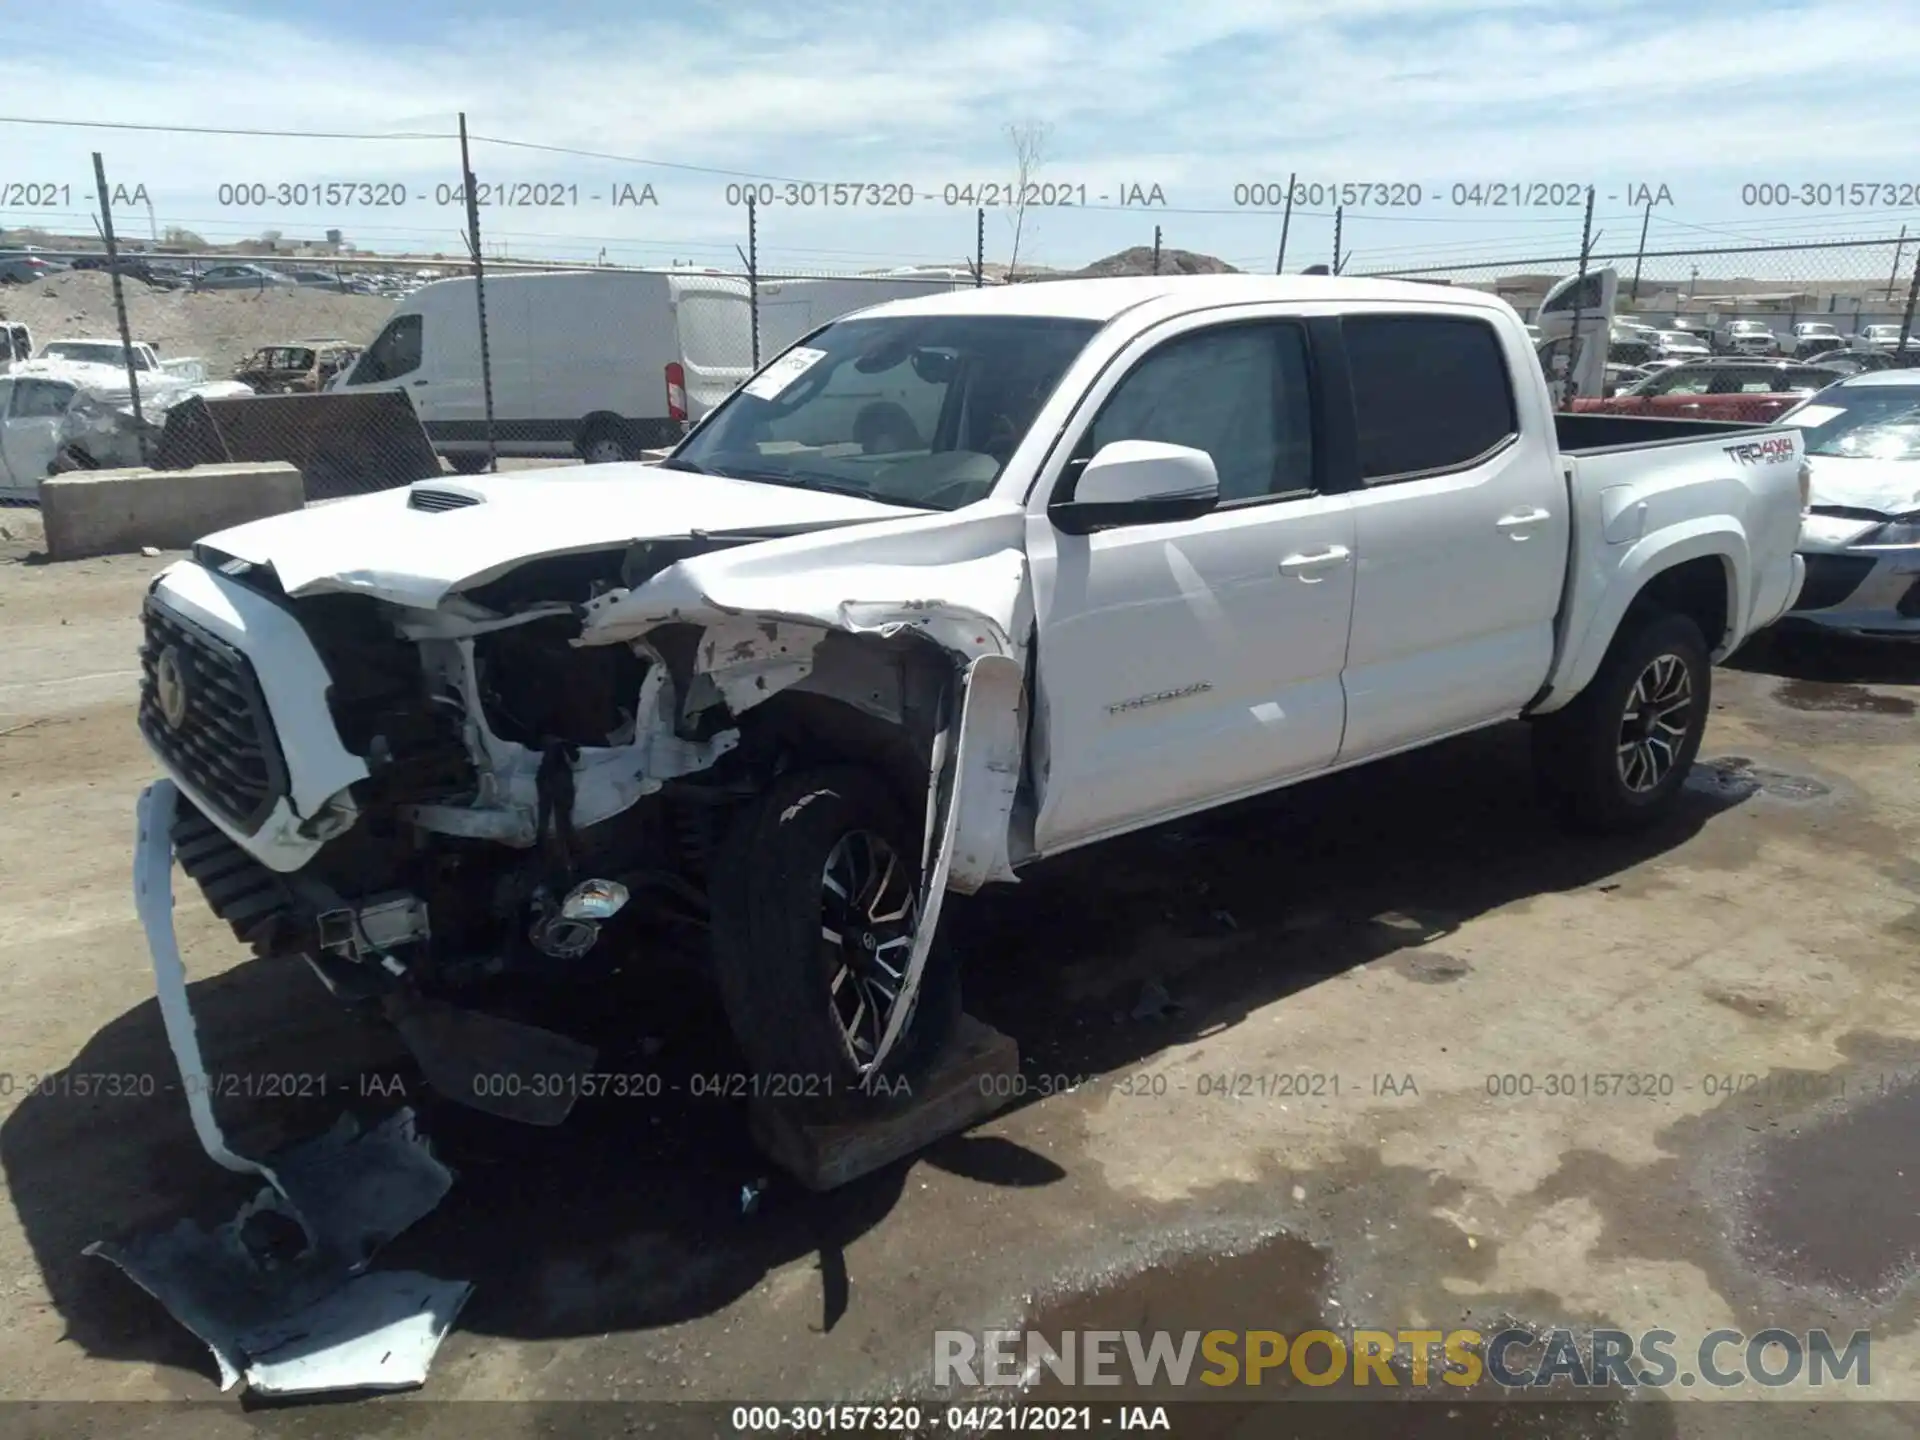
{"points": [[1286, 223], [479, 291], [1339, 214], [120, 298], [1576, 343], [752, 261], [1893, 275], [1156, 249], [1641, 254], [1906, 320]]}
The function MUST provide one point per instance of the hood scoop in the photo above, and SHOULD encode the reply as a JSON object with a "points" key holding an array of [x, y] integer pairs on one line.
{"points": [[442, 497]]}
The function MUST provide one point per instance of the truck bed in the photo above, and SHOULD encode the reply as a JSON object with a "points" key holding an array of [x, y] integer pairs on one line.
{"points": [[1593, 433], [1631, 477]]}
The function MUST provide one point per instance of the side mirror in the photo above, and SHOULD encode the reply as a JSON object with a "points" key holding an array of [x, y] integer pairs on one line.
{"points": [[1138, 482]]}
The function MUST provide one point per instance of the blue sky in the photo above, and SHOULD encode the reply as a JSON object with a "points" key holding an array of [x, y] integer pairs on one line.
{"points": [[1195, 98]]}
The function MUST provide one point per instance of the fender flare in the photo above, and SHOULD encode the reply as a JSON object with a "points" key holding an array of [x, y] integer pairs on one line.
{"points": [[970, 798], [1712, 537]]}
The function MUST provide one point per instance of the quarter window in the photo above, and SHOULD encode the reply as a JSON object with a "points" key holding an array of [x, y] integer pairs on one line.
{"points": [[1430, 392]]}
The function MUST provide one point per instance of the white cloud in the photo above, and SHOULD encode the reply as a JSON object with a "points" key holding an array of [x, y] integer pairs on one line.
{"points": [[1194, 98]]}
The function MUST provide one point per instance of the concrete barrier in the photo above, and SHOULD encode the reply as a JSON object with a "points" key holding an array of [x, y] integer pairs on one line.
{"points": [[105, 512]]}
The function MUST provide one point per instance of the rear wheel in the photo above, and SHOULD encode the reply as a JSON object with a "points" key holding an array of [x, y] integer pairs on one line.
{"points": [[816, 906], [1615, 758], [467, 464]]}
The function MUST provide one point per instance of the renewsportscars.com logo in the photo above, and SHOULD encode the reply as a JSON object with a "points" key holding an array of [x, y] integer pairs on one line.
{"points": [[1511, 1359]]}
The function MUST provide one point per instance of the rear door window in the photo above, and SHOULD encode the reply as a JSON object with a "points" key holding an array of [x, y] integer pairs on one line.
{"points": [[716, 331], [1430, 393]]}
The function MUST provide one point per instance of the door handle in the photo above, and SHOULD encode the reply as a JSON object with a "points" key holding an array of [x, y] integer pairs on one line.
{"points": [[419, 382], [1304, 566], [1521, 520]]}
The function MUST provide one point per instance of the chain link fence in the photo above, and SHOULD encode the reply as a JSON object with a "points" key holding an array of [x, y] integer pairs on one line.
{"points": [[483, 352]]}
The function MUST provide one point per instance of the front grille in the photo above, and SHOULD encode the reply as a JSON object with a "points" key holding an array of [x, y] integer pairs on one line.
{"points": [[221, 739], [440, 500], [1831, 579]]}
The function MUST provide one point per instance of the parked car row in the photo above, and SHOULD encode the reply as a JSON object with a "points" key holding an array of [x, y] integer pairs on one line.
{"points": [[26, 265]]}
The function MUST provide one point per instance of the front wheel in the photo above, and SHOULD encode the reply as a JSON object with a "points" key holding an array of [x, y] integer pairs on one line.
{"points": [[1615, 758], [604, 442], [816, 907]]}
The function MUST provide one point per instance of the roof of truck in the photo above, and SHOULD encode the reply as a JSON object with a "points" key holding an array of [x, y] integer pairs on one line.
{"points": [[1102, 299]]}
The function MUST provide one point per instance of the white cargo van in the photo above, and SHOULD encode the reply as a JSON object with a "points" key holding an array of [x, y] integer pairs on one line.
{"points": [[790, 309], [599, 364]]}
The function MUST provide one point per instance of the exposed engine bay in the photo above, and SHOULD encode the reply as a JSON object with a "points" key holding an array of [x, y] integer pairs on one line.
{"points": [[535, 804]]}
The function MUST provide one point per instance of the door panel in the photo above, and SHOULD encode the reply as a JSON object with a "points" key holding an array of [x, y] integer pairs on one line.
{"points": [[9, 486], [1460, 572], [1179, 664], [31, 434], [1184, 663]]}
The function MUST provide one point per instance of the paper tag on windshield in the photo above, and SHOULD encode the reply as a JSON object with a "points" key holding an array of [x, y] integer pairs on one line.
{"points": [[770, 382], [1814, 415]]}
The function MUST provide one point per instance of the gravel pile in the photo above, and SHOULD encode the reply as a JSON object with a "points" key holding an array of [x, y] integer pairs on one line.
{"points": [[221, 327], [1139, 261]]}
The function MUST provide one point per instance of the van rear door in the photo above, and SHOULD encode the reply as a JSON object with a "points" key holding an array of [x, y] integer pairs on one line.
{"points": [[713, 320]]}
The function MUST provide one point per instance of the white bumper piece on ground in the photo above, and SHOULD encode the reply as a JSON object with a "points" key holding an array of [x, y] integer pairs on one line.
{"points": [[320, 1320]]}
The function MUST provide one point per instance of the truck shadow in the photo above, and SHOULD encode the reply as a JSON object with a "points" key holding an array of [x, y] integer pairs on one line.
{"points": [[1820, 659], [650, 1208]]}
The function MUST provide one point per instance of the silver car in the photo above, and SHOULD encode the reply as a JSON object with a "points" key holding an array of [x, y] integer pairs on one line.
{"points": [[239, 277], [1861, 536]]}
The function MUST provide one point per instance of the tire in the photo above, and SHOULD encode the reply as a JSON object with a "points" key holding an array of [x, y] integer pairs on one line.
{"points": [[1584, 775], [604, 442], [775, 965], [464, 464]]}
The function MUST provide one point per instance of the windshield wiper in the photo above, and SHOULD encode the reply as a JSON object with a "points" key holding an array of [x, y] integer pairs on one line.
{"points": [[672, 463]]}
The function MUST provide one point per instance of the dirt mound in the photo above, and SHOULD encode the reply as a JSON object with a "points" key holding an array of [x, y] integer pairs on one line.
{"points": [[221, 327], [1138, 260]]}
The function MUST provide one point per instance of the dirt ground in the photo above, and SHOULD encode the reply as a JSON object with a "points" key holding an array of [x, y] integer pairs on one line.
{"points": [[222, 327], [1414, 938]]}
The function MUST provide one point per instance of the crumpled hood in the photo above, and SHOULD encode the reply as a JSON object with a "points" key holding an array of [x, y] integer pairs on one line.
{"points": [[379, 545], [1890, 486]]}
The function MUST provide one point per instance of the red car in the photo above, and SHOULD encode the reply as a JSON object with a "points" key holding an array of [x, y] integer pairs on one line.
{"points": [[1728, 389]]}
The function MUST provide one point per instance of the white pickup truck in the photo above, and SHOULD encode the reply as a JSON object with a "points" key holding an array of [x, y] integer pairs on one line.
{"points": [[111, 357], [953, 585]]}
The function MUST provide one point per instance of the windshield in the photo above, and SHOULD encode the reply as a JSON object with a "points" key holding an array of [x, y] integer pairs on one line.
{"points": [[92, 352], [920, 410], [1865, 422]]}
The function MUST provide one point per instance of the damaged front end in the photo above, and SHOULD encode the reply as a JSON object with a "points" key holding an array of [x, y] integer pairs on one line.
{"points": [[536, 773]]}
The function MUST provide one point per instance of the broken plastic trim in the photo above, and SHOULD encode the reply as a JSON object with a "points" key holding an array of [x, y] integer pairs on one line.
{"points": [[317, 1320]]}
